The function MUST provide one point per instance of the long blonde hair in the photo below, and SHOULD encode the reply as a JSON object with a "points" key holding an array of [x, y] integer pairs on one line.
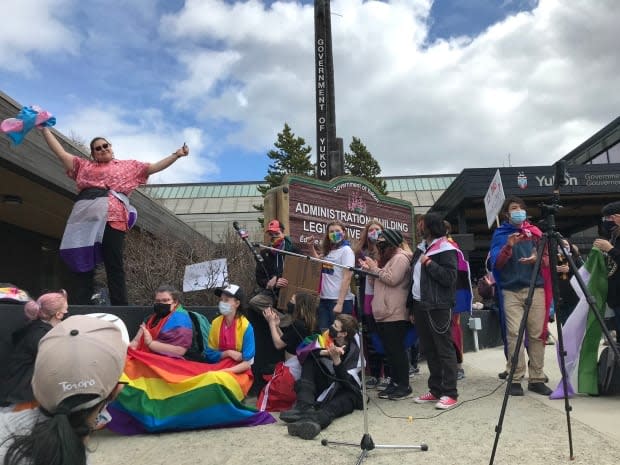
{"points": [[363, 241]]}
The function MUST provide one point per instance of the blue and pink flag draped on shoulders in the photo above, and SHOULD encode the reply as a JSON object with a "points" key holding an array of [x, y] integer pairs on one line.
{"points": [[582, 331]]}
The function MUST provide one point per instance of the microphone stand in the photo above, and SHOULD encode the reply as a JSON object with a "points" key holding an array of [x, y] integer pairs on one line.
{"points": [[243, 234], [366, 444]]}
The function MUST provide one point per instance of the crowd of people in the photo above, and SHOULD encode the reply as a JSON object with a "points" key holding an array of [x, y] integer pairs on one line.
{"points": [[407, 299]]}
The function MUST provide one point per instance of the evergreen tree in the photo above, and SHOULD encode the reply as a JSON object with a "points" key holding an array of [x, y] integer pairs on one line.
{"points": [[290, 156], [361, 163]]}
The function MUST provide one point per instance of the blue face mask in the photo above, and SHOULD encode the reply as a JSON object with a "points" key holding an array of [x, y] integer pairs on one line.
{"points": [[336, 237], [518, 216], [225, 308]]}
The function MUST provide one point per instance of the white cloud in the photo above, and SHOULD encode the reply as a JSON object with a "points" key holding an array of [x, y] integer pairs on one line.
{"points": [[147, 137], [33, 27], [534, 85]]}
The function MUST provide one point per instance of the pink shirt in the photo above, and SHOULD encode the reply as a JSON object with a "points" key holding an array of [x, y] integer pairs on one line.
{"points": [[228, 336], [119, 175]]}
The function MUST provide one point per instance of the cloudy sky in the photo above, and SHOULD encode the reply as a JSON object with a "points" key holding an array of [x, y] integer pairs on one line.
{"points": [[429, 87]]}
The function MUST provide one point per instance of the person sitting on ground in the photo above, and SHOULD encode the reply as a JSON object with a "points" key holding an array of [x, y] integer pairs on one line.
{"points": [[176, 394], [269, 281], [44, 313], [168, 331], [231, 335], [279, 393], [77, 349], [330, 383]]}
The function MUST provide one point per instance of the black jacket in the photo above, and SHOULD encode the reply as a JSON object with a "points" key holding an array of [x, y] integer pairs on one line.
{"points": [[613, 286], [20, 367], [274, 264], [438, 279]]}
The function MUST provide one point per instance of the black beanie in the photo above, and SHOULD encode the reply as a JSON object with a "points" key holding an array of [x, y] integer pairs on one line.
{"points": [[611, 208], [392, 237]]}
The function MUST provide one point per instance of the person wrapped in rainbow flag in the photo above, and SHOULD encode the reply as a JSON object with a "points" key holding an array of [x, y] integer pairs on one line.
{"points": [[165, 392], [330, 383]]}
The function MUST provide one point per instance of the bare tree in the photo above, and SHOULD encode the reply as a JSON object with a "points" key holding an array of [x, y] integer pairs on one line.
{"points": [[151, 261]]}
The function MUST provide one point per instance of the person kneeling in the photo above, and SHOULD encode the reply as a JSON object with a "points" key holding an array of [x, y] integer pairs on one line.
{"points": [[331, 373]]}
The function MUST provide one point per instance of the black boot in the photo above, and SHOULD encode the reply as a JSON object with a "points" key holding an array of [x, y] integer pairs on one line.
{"points": [[311, 424], [297, 412]]}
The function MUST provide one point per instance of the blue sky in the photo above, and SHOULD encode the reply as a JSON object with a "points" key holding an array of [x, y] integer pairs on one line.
{"points": [[429, 87]]}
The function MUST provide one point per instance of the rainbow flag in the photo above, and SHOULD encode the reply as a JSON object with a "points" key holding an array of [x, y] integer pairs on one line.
{"points": [[582, 332], [172, 394], [313, 342]]}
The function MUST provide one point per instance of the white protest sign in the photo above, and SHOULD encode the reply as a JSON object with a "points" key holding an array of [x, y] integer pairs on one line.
{"points": [[494, 198], [205, 275]]}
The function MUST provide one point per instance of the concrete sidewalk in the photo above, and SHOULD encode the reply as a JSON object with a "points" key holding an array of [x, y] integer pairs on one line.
{"points": [[534, 431], [600, 413]]}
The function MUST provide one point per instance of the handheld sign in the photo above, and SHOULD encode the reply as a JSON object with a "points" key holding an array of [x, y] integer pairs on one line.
{"points": [[494, 198]]}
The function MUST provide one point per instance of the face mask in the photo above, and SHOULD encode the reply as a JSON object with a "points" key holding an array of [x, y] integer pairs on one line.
{"points": [[609, 226], [382, 245], [277, 241], [373, 235], [336, 237], [103, 418], [161, 310], [225, 308], [518, 216], [333, 333], [290, 307]]}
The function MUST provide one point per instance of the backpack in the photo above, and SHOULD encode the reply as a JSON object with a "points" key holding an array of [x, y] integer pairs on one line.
{"points": [[200, 335], [608, 373]]}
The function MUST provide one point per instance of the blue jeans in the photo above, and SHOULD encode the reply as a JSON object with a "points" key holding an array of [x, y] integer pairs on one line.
{"points": [[326, 311]]}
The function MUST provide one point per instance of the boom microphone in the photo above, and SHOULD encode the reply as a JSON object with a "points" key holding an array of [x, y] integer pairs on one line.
{"points": [[243, 234]]}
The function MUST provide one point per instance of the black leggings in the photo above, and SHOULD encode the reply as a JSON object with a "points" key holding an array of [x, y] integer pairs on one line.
{"points": [[393, 334], [113, 245]]}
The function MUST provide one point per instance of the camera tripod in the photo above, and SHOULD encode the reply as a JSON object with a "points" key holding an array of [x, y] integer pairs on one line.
{"points": [[549, 242], [366, 444]]}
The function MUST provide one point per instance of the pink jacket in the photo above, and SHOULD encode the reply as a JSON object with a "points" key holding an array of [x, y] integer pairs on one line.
{"points": [[392, 288]]}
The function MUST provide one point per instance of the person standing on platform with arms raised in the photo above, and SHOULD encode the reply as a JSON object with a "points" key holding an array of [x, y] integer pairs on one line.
{"points": [[104, 185]]}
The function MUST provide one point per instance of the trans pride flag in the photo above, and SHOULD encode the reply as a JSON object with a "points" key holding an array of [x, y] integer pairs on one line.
{"points": [[582, 332], [28, 117], [170, 394]]}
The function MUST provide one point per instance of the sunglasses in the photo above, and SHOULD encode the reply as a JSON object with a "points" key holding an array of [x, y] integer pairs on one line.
{"points": [[101, 147]]}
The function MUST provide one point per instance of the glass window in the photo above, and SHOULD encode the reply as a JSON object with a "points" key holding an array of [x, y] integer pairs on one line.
{"points": [[614, 153], [434, 184], [600, 159], [425, 184]]}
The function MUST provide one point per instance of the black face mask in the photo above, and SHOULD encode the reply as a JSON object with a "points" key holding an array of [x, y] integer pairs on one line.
{"points": [[161, 310], [609, 226], [333, 332], [382, 245], [290, 307]]}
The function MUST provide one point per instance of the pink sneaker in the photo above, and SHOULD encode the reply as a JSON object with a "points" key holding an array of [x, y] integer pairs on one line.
{"points": [[445, 403], [428, 397]]}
